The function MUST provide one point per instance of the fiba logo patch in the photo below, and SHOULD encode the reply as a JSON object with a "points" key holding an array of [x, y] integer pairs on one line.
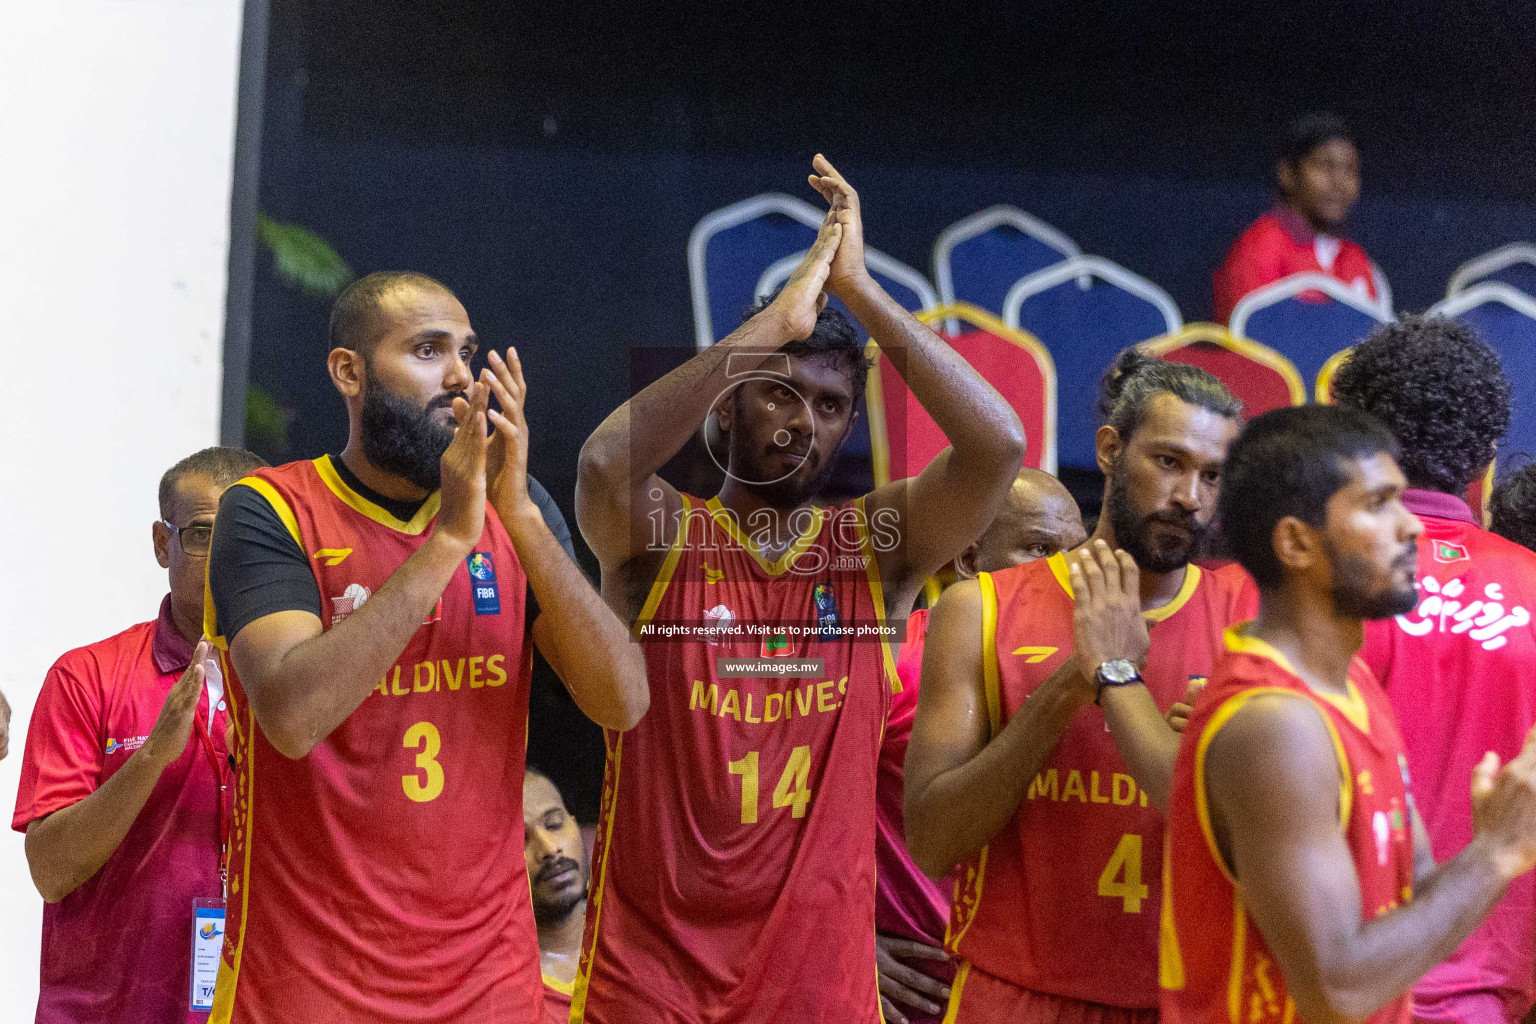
{"points": [[351, 599], [482, 584]]}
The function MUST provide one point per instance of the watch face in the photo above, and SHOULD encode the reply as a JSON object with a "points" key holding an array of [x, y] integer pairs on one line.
{"points": [[1118, 671]]}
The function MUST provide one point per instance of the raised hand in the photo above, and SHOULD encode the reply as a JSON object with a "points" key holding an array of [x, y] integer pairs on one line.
{"points": [[1106, 613], [461, 518], [173, 728], [848, 270], [5, 727], [1504, 808], [904, 985], [803, 297], [506, 463]]}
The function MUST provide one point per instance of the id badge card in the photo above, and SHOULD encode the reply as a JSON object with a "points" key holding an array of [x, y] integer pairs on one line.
{"points": [[207, 945]]}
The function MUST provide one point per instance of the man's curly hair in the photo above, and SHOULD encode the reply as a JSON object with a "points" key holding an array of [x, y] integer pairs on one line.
{"points": [[1512, 507], [1438, 389]]}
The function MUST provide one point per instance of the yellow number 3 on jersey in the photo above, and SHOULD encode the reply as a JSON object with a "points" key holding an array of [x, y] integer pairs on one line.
{"points": [[425, 736]]}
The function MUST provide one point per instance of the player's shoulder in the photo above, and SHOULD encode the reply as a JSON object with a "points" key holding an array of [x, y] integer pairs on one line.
{"points": [[1263, 230], [1485, 545], [1034, 573], [105, 660], [267, 485]]}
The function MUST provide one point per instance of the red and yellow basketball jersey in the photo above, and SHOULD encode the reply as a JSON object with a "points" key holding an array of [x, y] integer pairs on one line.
{"points": [[381, 877], [1215, 966], [734, 874], [1064, 899]]}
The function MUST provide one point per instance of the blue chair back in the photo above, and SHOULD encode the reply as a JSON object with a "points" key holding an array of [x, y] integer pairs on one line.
{"points": [[976, 260], [729, 250], [1505, 319], [1085, 310], [1306, 318], [1513, 264]]}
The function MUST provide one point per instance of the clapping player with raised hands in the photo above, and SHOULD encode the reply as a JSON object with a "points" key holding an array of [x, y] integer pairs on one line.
{"points": [[377, 608], [734, 875]]}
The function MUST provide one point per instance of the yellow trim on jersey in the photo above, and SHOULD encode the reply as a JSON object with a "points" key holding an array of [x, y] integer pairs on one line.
{"points": [[210, 617], [877, 594], [1191, 584], [589, 952], [229, 973], [1352, 706], [981, 876], [1170, 958], [989, 667], [1059, 569], [726, 520], [668, 567], [1237, 638], [565, 988], [1063, 573], [952, 1012], [1239, 951], [1231, 706], [358, 503]]}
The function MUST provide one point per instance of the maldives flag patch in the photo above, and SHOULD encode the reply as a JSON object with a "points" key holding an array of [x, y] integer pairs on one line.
{"points": [[776, 645], [1445, 551]]}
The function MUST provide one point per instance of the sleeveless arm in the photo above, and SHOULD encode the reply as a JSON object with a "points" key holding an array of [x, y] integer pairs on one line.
{"points": [[962, 784], [1273, 780]]}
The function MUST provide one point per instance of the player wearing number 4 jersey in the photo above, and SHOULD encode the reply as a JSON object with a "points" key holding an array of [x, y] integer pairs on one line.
{"points": [[1013, 771], [375, 609], [734, 879]]}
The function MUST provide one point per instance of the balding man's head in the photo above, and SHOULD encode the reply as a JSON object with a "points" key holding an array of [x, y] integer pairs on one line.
{"points": [[1038, 519]]}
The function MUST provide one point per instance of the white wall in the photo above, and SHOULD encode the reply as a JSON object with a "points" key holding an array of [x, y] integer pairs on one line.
{"points": [[116, 137]]}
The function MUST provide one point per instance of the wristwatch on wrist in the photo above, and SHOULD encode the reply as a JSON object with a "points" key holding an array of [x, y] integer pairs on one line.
{"points": [[1116, 672]]}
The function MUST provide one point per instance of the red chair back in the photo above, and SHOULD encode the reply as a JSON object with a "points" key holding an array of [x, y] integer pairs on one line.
{"points": [[904, 438]]}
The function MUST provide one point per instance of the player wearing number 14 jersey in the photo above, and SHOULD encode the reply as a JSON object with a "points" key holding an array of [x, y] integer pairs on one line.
{"points": [[1046, 797], [374, 611], [734, 878]]}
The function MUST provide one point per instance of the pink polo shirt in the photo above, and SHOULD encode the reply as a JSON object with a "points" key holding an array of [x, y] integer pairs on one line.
{"points": [[118, 949], [907, 902], [1461, 672]]}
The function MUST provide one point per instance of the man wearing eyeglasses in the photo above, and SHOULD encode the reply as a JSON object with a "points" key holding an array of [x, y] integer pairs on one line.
{"points": [[124, 782]]}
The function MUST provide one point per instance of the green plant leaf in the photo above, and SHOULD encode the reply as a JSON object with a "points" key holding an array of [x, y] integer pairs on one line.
{"points": [[266, 422], [302, 258]]}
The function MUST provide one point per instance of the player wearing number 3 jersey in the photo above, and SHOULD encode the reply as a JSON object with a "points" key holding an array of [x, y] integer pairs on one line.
{"points": [[734, 879], [376, 611], [1040, 757]]}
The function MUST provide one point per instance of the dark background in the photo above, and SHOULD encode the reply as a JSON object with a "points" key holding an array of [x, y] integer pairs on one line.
{"points": [[547, 161]]}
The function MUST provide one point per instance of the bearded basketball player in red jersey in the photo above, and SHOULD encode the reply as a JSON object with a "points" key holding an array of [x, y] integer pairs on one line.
{"points": [[377, 608], [1012, 770], [734, 877], [1300, 884]]}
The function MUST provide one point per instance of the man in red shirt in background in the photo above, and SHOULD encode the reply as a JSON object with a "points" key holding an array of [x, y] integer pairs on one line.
{"points": [[912, 910], [1318, 174], [1460, 668], [122, 809]]}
